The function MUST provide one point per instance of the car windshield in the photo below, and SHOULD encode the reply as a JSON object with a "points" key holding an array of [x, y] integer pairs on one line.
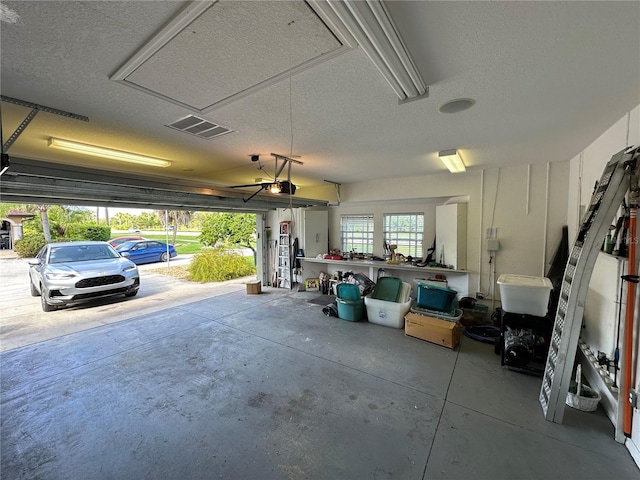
{"points": [[80, 253]]}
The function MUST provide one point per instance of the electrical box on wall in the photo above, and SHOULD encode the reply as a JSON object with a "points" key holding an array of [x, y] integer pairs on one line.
{"points": [[493, 245]]}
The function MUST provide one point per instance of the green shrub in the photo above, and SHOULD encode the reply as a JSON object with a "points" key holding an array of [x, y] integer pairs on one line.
{"points": [[218, 265], [29, 245], [88, 231]]}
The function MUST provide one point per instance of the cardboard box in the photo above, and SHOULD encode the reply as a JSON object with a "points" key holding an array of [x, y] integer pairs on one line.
{"points": [[432, 329], [254, 287]]}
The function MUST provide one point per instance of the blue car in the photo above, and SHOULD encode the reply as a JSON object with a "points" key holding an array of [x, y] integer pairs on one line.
{"points": [[145, 251]]}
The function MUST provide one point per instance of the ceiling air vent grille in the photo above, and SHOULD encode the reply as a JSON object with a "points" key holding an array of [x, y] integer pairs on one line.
{"points": [[199, 127]]}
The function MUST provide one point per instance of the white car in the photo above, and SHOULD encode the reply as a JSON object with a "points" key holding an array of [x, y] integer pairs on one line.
{"points": [[73, 272]]}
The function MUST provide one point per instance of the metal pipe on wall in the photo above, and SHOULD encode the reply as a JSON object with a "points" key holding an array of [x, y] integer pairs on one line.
{"points": [[546, 220], [628, 367], [479, 289], [627, 364], [528, 189], [579, 206]]}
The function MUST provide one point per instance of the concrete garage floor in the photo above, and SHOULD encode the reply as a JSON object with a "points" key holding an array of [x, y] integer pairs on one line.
{"points": [[241, 386]]}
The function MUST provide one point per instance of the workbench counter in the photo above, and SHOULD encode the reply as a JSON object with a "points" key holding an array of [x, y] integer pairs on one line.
{"points": [[458, 279]]}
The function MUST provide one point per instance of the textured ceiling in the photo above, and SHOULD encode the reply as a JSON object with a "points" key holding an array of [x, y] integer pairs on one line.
{"points": [[547, 77], [199, 66]]}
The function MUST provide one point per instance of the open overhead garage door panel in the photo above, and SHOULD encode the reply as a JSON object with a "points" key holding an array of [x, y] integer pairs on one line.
{"points": [[31, 181]]}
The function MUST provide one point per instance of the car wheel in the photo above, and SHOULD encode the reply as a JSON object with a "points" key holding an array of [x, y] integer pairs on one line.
{"points": [[131, 294], [34, 290], [164, 257], [46, 307]]}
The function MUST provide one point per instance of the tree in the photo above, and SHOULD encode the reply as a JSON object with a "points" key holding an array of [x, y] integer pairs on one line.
{"points": [[44, 219], [148, 220], [122, 220], [196, 221], [7, 207], [52, 221], [232, 229], [175, 218], [62, 217]]}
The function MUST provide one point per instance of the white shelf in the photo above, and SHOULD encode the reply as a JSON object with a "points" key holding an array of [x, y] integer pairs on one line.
{"points": [[284, 267]]}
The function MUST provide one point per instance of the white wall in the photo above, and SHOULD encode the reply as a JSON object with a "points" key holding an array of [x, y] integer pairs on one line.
{"points": [[601, 309], [525, 204], [529, 227], [587, 167], [602, 305]]}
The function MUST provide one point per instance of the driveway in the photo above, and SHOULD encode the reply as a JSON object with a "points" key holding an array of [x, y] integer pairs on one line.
{"points": [[23, 322]]}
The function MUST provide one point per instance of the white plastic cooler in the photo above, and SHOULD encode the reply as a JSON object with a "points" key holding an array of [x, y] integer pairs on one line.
{"points": [[524, 294]]}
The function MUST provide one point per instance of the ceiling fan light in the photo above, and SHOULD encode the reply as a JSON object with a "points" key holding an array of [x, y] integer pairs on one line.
{"points": [[274, 188], [452, 160]]}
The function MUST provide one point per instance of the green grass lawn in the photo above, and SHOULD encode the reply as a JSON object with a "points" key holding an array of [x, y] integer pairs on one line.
{"points": [[184, 243]]}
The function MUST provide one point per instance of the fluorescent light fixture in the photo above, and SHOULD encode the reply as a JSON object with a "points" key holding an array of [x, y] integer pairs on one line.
{"points": [[109, 153], [452, 160], [370, 24], [275, 188]]}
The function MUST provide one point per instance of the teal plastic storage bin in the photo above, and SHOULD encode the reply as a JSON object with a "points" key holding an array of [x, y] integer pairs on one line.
{"points": [[351, 310], [387, 289], [348, 291], [453, 315], [435, 298], [350, 303]]}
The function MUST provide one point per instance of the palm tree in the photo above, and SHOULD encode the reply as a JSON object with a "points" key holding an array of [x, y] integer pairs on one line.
{"points": [[175, 217], [44, 218]]}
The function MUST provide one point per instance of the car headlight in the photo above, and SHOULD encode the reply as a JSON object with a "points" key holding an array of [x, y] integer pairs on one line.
{"points": [[129, 268], [59, 275]]}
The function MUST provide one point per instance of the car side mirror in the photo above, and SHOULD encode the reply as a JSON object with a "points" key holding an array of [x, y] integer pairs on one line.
{"points": [[124, 254], [34, 261]]}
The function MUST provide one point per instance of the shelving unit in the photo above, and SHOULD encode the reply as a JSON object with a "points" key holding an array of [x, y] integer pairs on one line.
{"points": [[284, 265]]}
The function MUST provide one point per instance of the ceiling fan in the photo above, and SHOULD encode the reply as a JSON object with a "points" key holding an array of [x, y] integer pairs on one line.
{"points": [[274, 186]]}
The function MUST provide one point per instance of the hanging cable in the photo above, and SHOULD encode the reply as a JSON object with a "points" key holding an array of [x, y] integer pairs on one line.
{"points": [[290, 107], [290, 117]]}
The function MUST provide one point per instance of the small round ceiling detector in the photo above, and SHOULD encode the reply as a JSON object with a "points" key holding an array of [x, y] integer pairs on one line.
{"points": [[456, 105]]}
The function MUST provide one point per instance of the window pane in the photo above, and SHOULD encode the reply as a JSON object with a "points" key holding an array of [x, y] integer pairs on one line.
{"points": [[406, 231], [357, 233]]}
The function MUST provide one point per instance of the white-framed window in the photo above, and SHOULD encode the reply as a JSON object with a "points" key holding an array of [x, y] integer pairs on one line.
{"points": [[405, 230], [356, 232]]}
